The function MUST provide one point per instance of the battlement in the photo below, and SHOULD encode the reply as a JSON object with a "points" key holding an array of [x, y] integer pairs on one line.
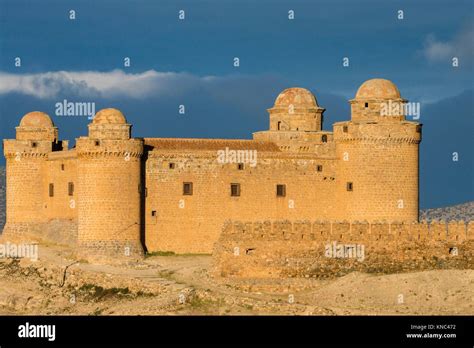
{"points": [[285, 230], [283, 248]]}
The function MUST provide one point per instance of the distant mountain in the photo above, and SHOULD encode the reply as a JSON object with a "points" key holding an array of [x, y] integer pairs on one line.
{"points": [[463, 211]]}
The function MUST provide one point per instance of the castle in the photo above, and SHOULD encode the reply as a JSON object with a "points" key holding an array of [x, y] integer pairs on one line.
{"points": [[115, 195]]}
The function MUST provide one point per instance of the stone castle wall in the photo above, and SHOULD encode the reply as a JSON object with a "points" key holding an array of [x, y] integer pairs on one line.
{"points": [[34, 209], [282, 249], [60, 170], [192, 223]]}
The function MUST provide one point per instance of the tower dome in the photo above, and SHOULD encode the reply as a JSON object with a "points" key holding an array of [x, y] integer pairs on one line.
{"points": [[296, 109], [378, 100], [109, 116], [36, 125], [36, 119], [378, 89], [296, 96], [109, 124]]}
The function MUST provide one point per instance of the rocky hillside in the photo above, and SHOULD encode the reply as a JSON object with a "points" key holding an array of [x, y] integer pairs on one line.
{"points": [[463, 211]]}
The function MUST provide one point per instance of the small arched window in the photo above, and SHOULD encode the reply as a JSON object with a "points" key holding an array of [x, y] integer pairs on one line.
{"points": [[279, 125], [324, 138]]}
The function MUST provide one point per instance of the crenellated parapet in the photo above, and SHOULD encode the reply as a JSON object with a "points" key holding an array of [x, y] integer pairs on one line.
{"points": [[284, 248], [286, 230]]}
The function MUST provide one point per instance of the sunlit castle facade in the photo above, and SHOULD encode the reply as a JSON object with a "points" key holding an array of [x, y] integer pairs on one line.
{"points": [[115, 195]]}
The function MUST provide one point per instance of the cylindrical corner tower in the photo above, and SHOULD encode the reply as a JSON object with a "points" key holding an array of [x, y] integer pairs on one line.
{"points": [[377, 157], [109, 189], [25, 157]]}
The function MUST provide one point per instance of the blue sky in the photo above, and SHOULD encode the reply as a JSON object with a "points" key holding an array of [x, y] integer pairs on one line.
{"points": [[190, 62]]}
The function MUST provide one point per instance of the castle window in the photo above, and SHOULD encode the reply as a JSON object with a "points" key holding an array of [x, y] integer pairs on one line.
{"points": [[70, 188], [324, 138], [235, 190], [366, 105], [349, 186], [319, 168], [249, 251], [153, 213], [187, 188], [34, 144], [281, 190], [51, 190], [278, 125], [62, 167], [97, 143], [344, 129], [240, 166], [172, 165]]}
